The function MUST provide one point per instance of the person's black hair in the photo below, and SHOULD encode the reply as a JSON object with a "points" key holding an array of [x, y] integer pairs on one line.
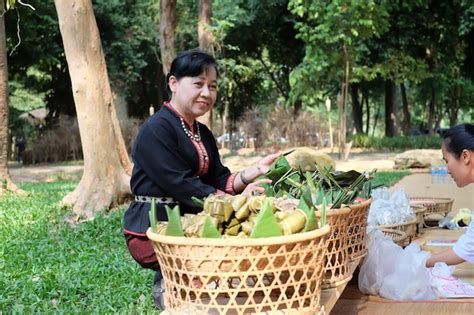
{"points": [[190, 64], [459, 138]]}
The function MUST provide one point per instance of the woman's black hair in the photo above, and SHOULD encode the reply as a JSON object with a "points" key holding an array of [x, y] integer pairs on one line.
{"points": [[190, 64], [459, 138]]}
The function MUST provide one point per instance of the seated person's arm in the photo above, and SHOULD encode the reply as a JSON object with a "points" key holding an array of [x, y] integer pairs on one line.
{"points": [[447, 256]]}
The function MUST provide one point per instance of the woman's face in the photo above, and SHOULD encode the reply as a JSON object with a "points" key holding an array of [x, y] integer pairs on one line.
{"points": [[194, 96], [460, 169]]}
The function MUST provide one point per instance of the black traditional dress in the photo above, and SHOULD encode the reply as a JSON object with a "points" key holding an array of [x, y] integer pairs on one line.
{"points": [[172, 165]]}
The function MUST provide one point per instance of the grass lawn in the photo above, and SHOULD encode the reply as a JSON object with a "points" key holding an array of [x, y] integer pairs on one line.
{"points": [[47, 266]]}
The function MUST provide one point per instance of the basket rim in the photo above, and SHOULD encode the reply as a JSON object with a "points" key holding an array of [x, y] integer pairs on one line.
{"points": [[355, 205], [389, 226], [332, 212], [418, 208], [429, 200], [394, 231], [237, 242]]}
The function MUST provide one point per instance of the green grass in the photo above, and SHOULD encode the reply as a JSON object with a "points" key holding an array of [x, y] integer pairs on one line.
{"points": [[48, 267], [388, 178]]}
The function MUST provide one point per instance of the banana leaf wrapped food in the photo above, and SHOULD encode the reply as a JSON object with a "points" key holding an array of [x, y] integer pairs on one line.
{"points": [[240, 216]]}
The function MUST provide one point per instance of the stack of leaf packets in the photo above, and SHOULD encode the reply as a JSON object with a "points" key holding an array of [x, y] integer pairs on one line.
{"points": [[335, 188], [288, 206], [239, 216]]}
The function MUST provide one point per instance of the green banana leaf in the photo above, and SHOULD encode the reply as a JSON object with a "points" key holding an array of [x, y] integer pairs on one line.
{"points": [[174, 227], [152, 215], [278, 169], [209, 230], [345, 179], [266, 224], [307, 208], [323, 212], [198, 202]]}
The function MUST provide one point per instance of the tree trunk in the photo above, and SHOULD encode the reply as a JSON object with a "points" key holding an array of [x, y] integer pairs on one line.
{"points": [[406, 111], [390, 116], [365, 100], [205, 44], [204, 33], [105, 182], [167, 29], [356, 108], [453, 104], [432, 111], [344, 148], [6, 183]]}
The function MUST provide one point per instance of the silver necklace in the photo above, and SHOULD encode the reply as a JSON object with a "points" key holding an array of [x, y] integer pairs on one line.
{"points": [[196, 137]]}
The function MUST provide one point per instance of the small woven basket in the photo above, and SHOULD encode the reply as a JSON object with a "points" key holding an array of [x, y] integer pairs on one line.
{"points": [[434, 206], [240, 276], [419, 211], [409, 227], [397, 236], [336, 267], [356, 230]]}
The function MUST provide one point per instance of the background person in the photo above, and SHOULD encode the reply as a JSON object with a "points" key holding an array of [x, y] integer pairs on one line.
{"points": [[458, 152]]}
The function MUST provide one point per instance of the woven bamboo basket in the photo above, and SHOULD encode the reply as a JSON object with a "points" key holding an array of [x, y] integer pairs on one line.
{"points": [[240, 276], [419, 211], [397, 236], [336, 266], [409, 227], [434, 206], [356, 230]]}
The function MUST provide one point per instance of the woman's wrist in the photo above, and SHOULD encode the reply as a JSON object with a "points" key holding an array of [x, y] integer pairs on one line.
{"points": [[243, 178], [259, 168]]}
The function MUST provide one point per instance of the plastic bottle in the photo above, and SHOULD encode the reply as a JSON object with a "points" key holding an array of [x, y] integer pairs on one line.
{"points": [[432, 174]]}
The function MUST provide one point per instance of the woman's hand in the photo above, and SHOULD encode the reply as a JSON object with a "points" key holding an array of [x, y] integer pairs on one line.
{"points": [[244, 182], [265, 164], [256, 187]]}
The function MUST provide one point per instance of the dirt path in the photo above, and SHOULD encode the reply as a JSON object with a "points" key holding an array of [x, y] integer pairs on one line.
{"points": [[42, 173], [414, 185], [358, 161]]}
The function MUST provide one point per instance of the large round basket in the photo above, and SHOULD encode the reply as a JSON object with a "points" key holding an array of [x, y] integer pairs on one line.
{"points": [[241, 276], [434, 206], [356, 230], [409, 227], [336, 266], [397, 236]]}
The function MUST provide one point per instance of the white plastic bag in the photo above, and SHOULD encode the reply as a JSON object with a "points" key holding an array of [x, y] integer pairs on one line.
{"points": [[389, 208], [395, 273], [381, 250]]}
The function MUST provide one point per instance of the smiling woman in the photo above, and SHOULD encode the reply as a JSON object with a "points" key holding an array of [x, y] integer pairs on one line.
{"points": [[458, 152], [175, 157]]}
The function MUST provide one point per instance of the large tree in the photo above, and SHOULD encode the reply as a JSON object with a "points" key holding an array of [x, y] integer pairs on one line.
{"points": [[205, 43], [105, 181], [167, 33], [334, 33], [6, 183]]}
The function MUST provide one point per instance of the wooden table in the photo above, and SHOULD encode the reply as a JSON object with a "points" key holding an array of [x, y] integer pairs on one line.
{"points": [[352, 301], [329, 297]]}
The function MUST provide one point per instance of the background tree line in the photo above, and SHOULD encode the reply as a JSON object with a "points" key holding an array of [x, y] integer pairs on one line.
{"points": [[410, 62], [387, 66]]}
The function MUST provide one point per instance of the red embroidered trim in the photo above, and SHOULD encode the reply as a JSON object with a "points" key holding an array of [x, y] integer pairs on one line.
{"points": [[167, 104], [229, 186], [203, 158]]}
